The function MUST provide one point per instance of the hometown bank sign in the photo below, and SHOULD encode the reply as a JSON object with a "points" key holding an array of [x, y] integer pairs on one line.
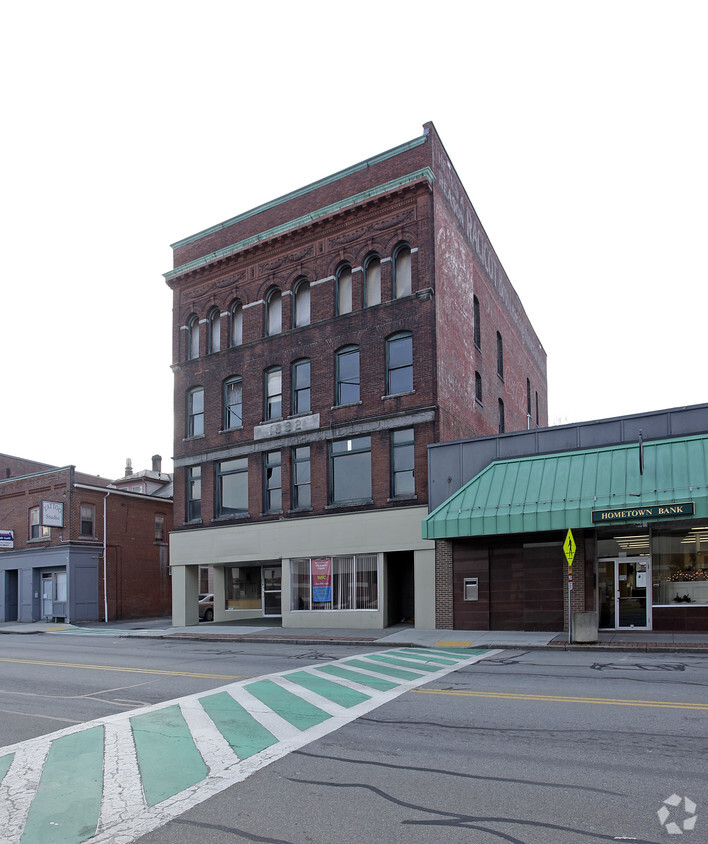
{"points": [[7, 539], [653, 511]]}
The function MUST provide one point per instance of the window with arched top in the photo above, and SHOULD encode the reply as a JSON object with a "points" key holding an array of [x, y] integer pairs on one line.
{"points": [[301, 311], [372, 281], [500, 356], [399, 363], [214, 330], [193, 338], [477, 328], [344, 289], [236, 327], [402, 281], [274, 312]]}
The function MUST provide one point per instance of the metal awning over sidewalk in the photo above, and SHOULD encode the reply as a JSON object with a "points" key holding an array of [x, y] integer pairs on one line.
{"points": [[560, 491]]}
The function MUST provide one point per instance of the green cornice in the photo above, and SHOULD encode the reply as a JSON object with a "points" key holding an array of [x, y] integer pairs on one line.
{"points": [[290, 225], [362, 165]]}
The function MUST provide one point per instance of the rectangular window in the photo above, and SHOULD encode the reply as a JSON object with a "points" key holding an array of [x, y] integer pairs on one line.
{"points": [[194, 493], [195, 413], [399, 364], [350, 470], [477, 326], [36, 530], [402, 463], [301, 477], [243, 588], [232, 487], [159, 527], [273, 482], [679, 560], [233, 404], [348, 384], [301, 386], [274, 394], [88, 520], [334, 583]]}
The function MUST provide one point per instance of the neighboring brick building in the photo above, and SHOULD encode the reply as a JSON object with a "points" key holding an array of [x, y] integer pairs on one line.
{"points": [[321, 341], [54, 548]]}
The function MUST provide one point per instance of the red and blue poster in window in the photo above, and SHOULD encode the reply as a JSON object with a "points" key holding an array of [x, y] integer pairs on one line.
{"points": [[321, 579]]}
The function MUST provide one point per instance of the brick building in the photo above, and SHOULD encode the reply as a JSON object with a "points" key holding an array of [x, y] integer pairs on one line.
{"points": [[320, 343], [62, 530]]}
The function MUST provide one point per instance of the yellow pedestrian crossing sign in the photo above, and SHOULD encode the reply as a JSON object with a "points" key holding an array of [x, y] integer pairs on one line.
{"points": [[569, 548]]}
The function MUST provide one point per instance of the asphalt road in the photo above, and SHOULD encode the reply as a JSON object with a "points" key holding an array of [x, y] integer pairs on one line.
{"points": [[529, 747]]}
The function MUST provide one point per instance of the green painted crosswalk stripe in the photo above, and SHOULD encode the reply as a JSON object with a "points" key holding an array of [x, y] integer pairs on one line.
{"points": [[292, 708], [425, 657], [240, 729], [371, 682], [5, 762], [388, 670], [167, 756], [68, 801], [461, 653], [335, 692], [390, 660]]}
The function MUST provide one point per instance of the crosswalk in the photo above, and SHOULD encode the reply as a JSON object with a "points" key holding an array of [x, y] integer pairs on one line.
{"points": [[117, 778]]}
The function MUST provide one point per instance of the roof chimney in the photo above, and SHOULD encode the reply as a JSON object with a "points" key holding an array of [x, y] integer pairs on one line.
{"points": [[157, 463], [128, 467]]}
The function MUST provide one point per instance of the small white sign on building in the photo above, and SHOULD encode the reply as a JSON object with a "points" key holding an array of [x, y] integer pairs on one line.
{"points": [[7, 539], [53, 513]]}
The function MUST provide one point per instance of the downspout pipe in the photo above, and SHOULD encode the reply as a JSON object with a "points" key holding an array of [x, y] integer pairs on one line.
{"points": [[105, 568]]}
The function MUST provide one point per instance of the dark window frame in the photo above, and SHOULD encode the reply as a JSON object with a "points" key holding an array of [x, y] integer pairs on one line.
{"points": [[397, 370], [301, 393], [195, 417], [400, 474], [273, 481], [350, 381], [272, 400], [359, 445], [223, 471], [299, 459], [194, 493], [230, 414]]}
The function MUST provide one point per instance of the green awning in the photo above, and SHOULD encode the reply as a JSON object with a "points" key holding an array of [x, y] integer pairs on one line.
{"points": [[560, 491]]}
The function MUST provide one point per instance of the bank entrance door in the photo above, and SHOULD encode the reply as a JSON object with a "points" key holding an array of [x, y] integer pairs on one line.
{"points": [[623, 587]]}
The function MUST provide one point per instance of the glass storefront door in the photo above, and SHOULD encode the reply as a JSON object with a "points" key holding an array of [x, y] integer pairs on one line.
{"points": [[623, 587], [272, 590]]}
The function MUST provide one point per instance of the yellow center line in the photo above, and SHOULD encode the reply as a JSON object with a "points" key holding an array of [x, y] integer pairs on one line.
{"points": [[120, 668], [607, 701]]}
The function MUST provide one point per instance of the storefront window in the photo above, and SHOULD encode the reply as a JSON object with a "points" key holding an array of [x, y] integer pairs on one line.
{"points": [[334, 583], [680, 566], [243, 588]]}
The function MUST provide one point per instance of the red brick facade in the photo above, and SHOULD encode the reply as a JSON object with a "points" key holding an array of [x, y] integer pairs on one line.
{"points": [[137, 563], [407, 198]]}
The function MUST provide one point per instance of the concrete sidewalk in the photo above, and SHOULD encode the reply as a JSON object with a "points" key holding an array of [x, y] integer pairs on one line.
{"points": [[397, 636]]}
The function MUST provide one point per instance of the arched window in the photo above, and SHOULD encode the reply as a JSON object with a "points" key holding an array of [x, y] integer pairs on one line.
{"points": [[399, 363], [477, 325], [347, 375], [195, 412], [344, 289], [402, 272], [236, 328], [372, 284], [500, 356], [193, 338], [301, 315], [214, 330], [274, 312]]}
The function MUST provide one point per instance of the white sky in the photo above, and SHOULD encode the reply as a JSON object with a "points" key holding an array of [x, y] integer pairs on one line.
{"points": [[579, 129]]}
